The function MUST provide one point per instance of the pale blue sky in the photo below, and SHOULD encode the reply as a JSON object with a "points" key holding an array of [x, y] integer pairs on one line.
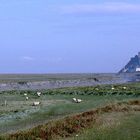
{"points": [[60, 36]]}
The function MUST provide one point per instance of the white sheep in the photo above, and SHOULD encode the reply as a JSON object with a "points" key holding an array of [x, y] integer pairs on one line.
{"points": [[38, 94], [36, 103], [112, 88], [96, 89], [27, 98], [124, 87], [74, 99], [25, 94], [77, 100]]}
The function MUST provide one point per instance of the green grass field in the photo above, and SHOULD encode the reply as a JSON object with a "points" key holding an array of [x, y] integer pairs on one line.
{"points": [[19, 114], [112, 126]]}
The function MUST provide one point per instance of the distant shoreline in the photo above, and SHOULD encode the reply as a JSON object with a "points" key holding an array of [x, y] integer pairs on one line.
{"points": [[49, 81]]}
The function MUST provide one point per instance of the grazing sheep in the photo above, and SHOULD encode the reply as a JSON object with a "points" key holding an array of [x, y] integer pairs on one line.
{"points": [[96, 89], [74, 99], [112, 88], [27, 98], [77, 100], [38, 94], [36, 103], [124, 87], [25, 94]]}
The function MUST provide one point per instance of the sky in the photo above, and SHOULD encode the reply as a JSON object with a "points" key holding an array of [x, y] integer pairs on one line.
{"points": [[68, 36]]}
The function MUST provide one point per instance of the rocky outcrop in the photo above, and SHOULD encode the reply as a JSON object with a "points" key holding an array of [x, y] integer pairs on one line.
{"points": [[132, 66]]}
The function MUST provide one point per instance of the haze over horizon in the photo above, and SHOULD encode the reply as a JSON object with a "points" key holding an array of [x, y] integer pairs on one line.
{"points": [[39, 36]]}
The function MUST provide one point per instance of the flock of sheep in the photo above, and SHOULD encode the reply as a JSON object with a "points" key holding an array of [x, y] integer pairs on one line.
{"points": [[74, 99], [34, 103], [39, 94], [122, 88]]}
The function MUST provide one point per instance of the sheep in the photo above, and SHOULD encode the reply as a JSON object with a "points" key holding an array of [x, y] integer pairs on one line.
{"points": [[77, 100], [74, 99], [112, 88], [124, 87], [36, 103], [38, 94], [27, 98], [25, 94], [96, 89]]}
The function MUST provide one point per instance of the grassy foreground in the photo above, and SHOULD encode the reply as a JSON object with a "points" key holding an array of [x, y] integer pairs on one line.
{"points": [[73, 124], [19, 114], [112, 126]]}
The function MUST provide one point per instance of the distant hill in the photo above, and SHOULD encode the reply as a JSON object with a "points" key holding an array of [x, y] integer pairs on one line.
{"points": [[132, 66]]}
